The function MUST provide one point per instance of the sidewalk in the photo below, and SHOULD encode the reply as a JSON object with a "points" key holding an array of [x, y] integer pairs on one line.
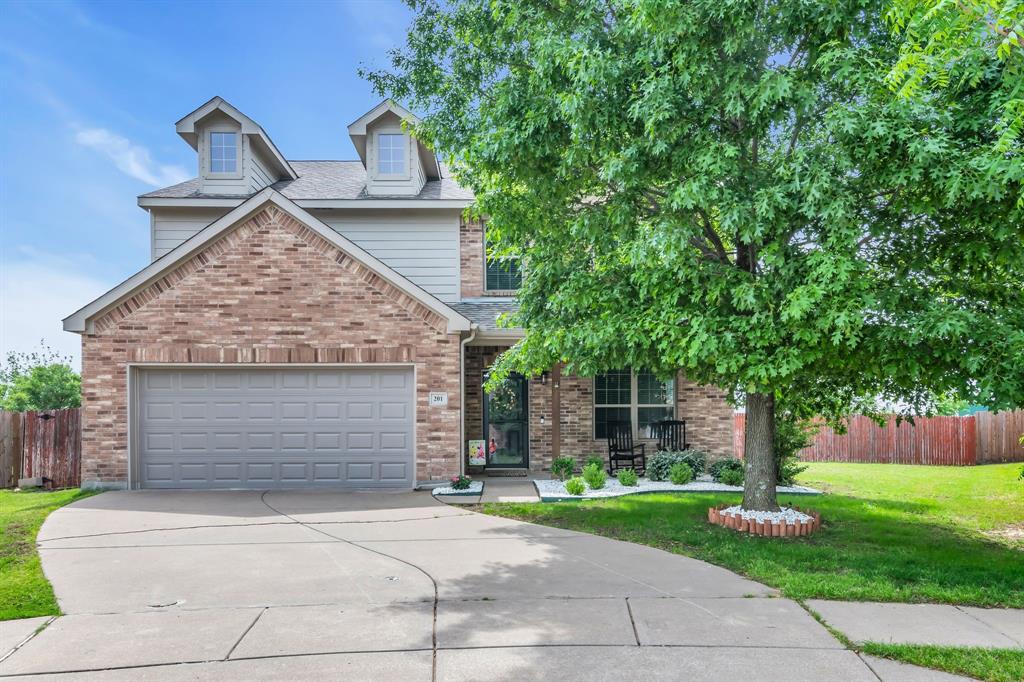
{"points": [[935, 624], [498, 489]]}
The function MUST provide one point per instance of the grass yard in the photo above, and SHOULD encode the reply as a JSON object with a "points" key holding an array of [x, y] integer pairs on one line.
{"points": [[891, 533], [24, 590], [992, 665]]}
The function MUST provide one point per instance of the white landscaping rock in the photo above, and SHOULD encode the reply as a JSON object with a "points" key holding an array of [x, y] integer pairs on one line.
{"points": [[785, 515], [475, 488], [555, 490]]}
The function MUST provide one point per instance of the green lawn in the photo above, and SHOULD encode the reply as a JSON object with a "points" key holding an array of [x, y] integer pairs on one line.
{"points": [[992, 665], [891, 533], [24, 590]]}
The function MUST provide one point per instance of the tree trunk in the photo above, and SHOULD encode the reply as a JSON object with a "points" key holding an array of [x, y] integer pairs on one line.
{"points": [[759, 454]]}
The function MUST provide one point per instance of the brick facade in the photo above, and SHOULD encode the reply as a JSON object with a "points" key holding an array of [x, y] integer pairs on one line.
{"points": [[471, 257], [709, 418], [270, 290]]}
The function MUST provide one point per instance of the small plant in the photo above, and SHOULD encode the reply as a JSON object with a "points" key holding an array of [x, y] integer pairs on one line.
{"points": [[595, 476], [728, 471], [628, 477], [680, 473], [562, 467], [721, 465], [461, 482], [597, 460], [575, 486], [661, 463]]}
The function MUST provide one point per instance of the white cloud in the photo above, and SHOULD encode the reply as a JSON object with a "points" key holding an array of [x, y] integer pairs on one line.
{"points": [[35, 295], [131, 159]]}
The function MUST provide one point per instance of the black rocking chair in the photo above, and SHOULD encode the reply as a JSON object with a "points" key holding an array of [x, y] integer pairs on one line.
{"points": [[621, 449], [671, 435]]}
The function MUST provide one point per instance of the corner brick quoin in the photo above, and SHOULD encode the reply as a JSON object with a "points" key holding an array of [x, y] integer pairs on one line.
{"points": [[269, 290]]}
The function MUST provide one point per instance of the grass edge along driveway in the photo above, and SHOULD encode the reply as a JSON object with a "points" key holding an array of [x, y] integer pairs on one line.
{"points": [[24, 590], [891, 533]]}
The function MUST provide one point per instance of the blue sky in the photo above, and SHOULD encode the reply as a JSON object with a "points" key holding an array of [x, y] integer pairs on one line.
{"points": [[89, 93]]}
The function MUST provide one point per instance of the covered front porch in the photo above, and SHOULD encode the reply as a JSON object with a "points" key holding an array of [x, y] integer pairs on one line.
{"points": [[529, 422]]}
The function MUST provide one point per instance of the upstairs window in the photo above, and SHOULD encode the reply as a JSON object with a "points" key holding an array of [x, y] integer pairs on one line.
{"points": [[502, 274], [639, 398], [390, 154], [223, 153]]}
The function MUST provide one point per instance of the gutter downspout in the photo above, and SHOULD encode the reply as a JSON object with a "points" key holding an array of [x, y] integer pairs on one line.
{"points": [[473, 327]]}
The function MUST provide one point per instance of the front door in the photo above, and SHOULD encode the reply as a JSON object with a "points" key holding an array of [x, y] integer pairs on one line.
{"points": [[505, 425]]}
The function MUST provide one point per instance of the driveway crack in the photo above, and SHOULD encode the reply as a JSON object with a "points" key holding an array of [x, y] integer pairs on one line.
{"points": [[433, 581], [246, 632]]}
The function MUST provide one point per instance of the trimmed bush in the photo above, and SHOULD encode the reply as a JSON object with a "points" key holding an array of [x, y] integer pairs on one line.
{"points": [[595, 476], [562, 467], [680, 473], [732, 477], [595, 459], [627, 477], [728, 471], [575, 486], [660, 464]]}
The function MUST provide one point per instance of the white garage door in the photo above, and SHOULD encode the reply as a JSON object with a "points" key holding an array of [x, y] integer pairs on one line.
{"points": [[275, 428]]}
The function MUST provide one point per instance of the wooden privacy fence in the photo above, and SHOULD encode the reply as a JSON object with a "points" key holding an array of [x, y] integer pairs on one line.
{"points": [[977, 439], [46, 444]]}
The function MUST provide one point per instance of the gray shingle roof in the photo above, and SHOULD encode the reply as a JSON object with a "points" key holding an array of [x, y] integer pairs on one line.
{"points": [[485, 313], [322, 180]]}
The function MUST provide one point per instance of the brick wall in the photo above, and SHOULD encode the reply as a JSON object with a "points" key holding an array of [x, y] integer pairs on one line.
{"points": [[268, 291], [709, 418], [471, 256]]}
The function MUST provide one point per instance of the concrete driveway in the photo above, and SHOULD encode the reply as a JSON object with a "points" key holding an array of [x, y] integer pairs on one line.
{"points": [[378, 586]]}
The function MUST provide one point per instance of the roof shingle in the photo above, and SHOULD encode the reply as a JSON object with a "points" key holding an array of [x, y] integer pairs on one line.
{"points": [[322, 180]]}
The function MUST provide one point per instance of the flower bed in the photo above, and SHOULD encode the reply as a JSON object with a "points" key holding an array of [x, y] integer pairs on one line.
{"points": [[475, 488], [787, 522], [554, 491]]}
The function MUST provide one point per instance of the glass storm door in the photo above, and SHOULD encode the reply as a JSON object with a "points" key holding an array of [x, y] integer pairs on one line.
{"points": [[505, 424]]}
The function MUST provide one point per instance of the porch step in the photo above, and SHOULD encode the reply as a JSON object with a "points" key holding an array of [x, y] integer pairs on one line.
{"points": [[506, 473]]}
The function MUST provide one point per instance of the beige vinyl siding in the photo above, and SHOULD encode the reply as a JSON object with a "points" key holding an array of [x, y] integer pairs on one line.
{"points": [[172, 226], [259, 174], [422, 245]]}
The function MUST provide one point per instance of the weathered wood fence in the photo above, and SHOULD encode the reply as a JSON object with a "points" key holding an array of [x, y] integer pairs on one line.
{"points": [[46, 444], [977, 439]]}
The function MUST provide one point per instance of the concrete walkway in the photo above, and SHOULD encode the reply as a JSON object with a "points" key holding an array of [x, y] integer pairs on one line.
{"points": [[289, 585], [924, 623], [498, 489]]}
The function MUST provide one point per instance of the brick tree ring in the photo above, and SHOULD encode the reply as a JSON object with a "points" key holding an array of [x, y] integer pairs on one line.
{"points": [[806, 522]]}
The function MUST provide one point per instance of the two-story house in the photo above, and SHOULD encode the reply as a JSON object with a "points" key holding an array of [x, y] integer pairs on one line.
{"points": [[329, 323]]}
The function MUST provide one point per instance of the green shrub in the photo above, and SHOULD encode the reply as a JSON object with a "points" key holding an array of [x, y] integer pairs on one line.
{"points": [[575, 486], [595, 476], [595, 459], [728, 471], [562, 467], [628, 477], [680, 473], [660, 464], [791, 436]]}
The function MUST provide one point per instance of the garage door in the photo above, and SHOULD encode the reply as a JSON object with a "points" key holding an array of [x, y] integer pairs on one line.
{"points": [[275, 428]]}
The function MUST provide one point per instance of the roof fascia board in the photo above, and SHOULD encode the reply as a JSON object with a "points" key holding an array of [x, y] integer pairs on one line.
{"points": [[79, 321]]}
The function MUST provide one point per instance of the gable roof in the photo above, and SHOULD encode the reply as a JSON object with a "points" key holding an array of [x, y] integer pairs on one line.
{"points": [[186, 127], [323, 180], [357, 130], [80, 321]]}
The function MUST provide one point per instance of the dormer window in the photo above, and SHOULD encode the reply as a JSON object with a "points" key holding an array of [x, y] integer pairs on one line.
{"points": [[223, 153], [391, 154]]}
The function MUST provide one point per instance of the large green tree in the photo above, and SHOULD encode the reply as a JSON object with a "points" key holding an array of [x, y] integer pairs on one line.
{"points": [[39, 380], [729, 188]]}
